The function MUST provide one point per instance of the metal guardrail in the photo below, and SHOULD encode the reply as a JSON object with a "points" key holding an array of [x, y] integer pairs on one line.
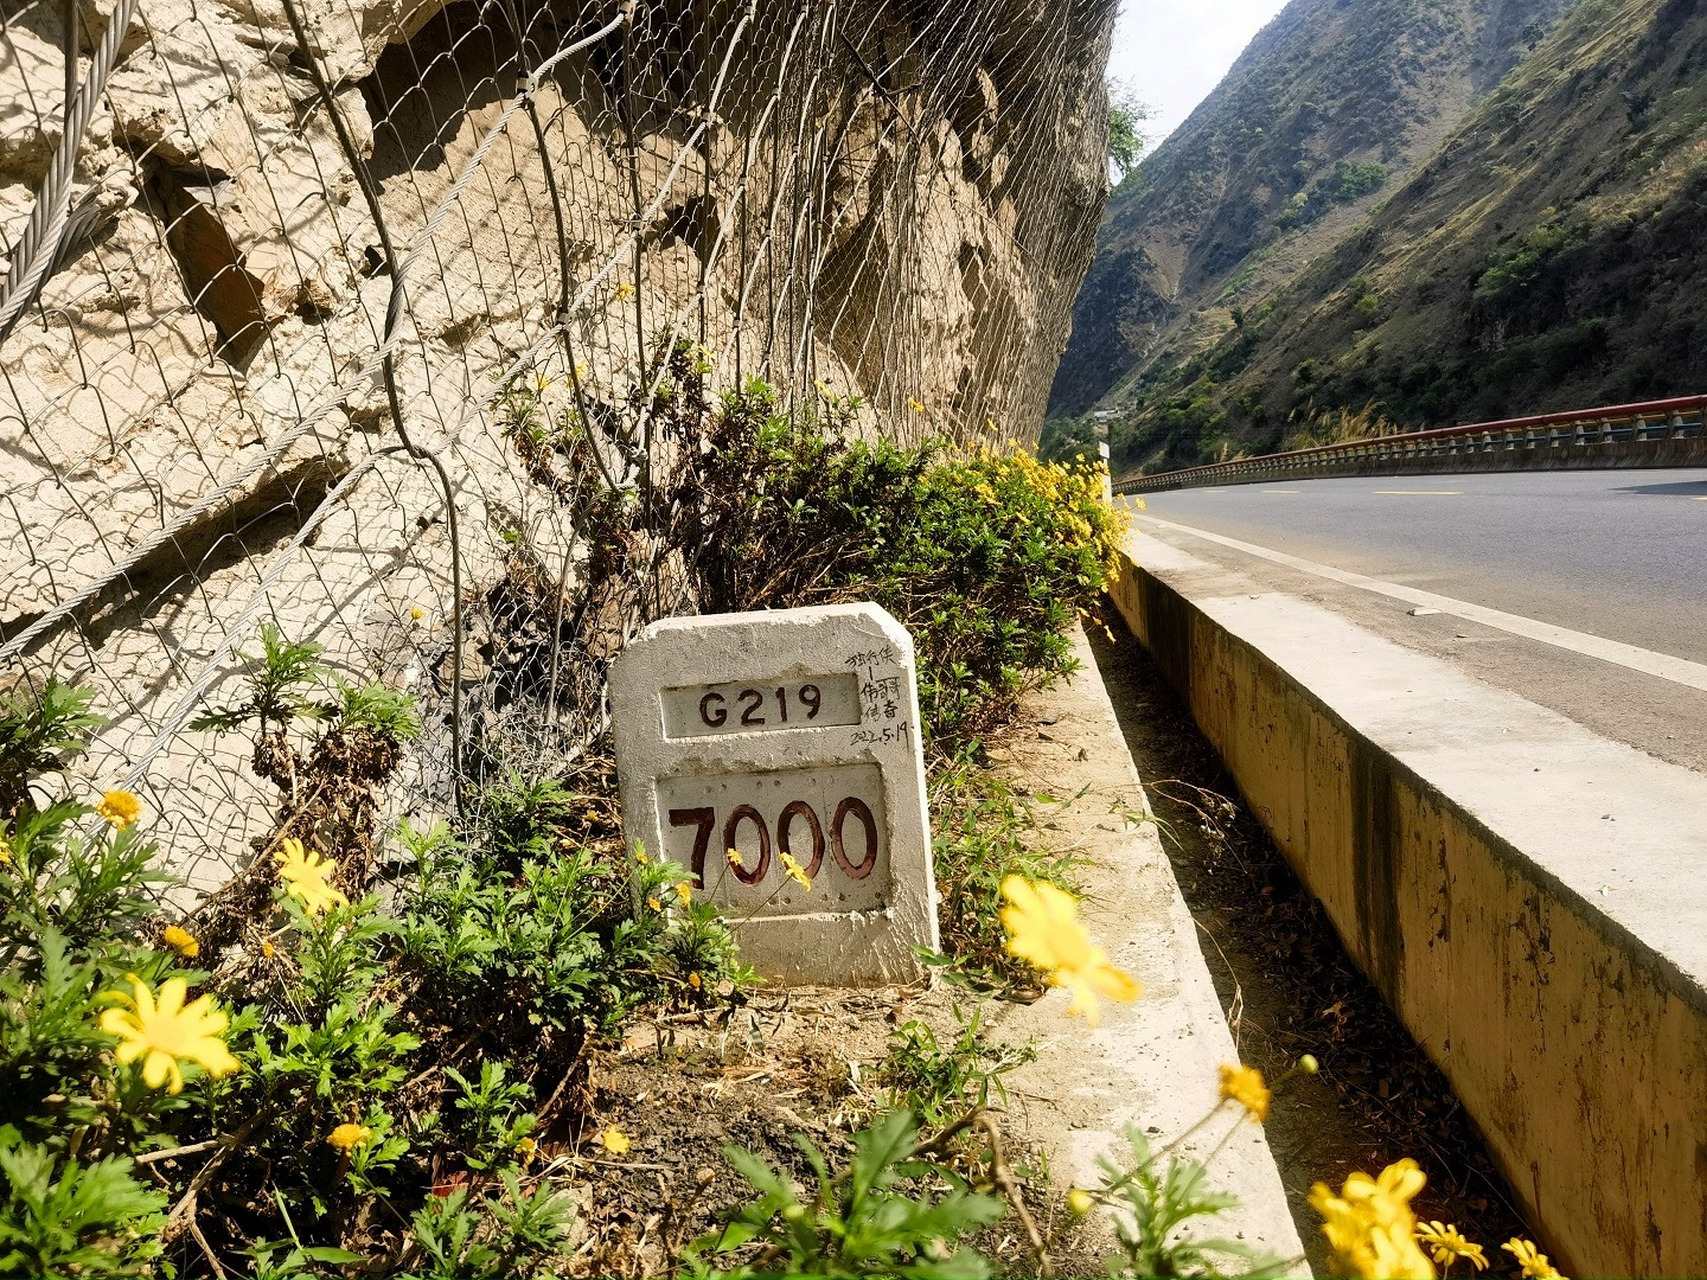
{"points": [[1577, 438]]}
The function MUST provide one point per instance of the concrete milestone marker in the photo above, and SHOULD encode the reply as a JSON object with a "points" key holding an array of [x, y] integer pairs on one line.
{"points": [[795, 732]]}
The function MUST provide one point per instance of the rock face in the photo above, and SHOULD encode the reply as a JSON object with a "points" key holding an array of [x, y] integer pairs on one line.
{"points": [[1324, 115], [891, 201]]}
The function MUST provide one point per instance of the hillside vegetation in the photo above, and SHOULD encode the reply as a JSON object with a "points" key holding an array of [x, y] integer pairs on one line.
{"points": [[1546, 254], [1332, 103]]}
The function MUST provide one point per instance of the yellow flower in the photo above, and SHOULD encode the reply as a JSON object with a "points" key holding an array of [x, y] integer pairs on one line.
{"points": [[795, 872], [5, 853], [624, 292], [120, 809], [1043, 927], [694, 981], [417, 613], [1533, 1262], [615, 1141], [163, 1032], [915, 405], [641, 858], [1079, 1203], [526, 1148], [1370, 1227], [347, 1136], [267, 950], [305, 875], [654, 904], [734, 856], [182, 941], [1245, 1086], [685, 892], [1445, 1245]]}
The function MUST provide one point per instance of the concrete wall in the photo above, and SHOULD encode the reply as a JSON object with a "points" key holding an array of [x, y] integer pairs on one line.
{"points": [[1456, 835]]}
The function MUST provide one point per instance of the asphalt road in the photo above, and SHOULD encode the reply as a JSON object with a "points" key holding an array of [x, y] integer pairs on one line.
{"points": [[1618, 555]]}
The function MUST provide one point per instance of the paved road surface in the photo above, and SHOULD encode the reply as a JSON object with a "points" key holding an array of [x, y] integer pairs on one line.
{"points": [[1582, 590]]}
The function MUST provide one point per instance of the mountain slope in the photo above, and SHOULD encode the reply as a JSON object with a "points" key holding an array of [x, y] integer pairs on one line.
{"points": [[1552, 254], [1331, 102]]}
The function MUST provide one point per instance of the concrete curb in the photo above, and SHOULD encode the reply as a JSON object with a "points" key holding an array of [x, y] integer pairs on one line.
{"points": [[1151, 1064], [1524, 893]]}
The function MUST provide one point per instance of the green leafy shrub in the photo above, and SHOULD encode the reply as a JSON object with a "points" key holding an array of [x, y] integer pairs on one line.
{"points": [[1347, 182], [61, 1217], [986, 556]]}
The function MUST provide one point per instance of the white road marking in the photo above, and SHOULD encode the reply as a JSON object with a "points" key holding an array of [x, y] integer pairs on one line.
{"points": [[1678, 670], [1419, 493], [1280, 491]]}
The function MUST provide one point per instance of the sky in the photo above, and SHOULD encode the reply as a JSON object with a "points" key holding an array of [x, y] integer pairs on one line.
{"points": [[1171, 53]]}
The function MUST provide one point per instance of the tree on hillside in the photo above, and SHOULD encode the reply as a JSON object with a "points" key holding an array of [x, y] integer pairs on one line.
{"points": [[1125, 140]]}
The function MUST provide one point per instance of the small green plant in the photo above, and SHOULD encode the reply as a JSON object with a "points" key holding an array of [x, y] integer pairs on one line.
{"points": [[981, 833], [40, 736], [492, 1115], [889, 1213], [278, 679], [1156, 1199], [60, 1217], [937, 1082], [380, 708], [496, 1236], [547, 943]]}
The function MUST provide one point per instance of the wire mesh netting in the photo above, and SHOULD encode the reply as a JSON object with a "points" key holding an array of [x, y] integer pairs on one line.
{"points": [[338, 314]]}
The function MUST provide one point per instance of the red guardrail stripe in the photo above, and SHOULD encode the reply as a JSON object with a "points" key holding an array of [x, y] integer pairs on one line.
{"points": [[1607, 413]]}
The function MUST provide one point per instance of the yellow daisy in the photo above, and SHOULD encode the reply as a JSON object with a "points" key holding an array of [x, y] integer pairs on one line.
{"points": [[164, 1032], [1245, 1086], [348, 1136], [120, 808], [1043, 927], [306, 875]]}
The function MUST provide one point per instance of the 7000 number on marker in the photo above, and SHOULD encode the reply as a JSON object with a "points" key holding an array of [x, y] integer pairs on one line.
{"points": [[830, 819], [799, 833]]}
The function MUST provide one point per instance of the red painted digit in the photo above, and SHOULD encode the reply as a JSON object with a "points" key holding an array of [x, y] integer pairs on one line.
{"points": [[705, 820], [862, 811], [730, 830], [800, 809]]}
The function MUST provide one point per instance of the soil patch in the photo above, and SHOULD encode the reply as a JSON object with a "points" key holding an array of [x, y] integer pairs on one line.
{"points": [[801, 1061], [1289, 988]]}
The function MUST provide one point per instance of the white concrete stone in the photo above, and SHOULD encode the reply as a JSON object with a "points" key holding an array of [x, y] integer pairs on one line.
{"points": [[794, 731]]}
